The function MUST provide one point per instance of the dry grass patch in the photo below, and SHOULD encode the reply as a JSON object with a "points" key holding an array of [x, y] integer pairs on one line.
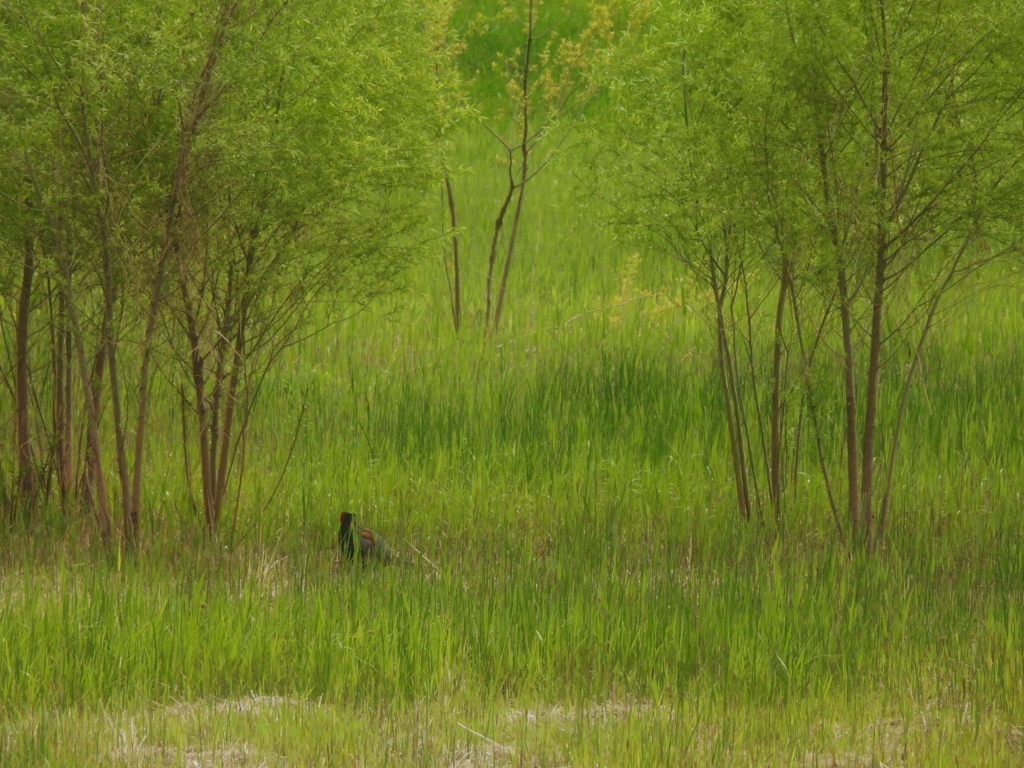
{"points": [[251, 704], [229, 756]]}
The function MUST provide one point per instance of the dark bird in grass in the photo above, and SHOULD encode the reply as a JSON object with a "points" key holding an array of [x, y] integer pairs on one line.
{"points": [[354, 540]]}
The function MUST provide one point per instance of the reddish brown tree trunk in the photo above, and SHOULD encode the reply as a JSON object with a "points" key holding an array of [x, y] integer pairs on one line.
{"points": [[775, 438], [63, 421], [850, 393], [878, 297], [726, 372], [456, 264], [28, 480]]}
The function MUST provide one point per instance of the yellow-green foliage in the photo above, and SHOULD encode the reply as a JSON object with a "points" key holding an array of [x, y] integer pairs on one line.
{"points": [[575, 585]]}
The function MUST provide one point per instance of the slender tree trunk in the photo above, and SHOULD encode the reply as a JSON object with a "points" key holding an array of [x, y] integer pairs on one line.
{"points": [[110, 345], [878, 296], [119, 436], [90, 383], [775, 438], [850, 395], [88, 470], [62, 400], [214, 412], [201, 407], [510, 250], [871, 402], [94, 152], [227, 428], [233, 328], [524, 161], [492, 257], [745, 341], [725, 372], [456, 265], [849, 360], [97, 484], [27, 477], [746, 448], [735, 437], [134, 509], [202, 99]]}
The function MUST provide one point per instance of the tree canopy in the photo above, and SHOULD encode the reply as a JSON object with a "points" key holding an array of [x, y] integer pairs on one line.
{"points": [[189, 179]]}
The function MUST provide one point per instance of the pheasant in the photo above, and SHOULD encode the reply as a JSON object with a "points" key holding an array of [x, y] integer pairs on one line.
{"points": [[354, 540]]}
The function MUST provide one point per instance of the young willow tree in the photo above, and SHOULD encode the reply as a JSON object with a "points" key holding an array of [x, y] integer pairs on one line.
{"points": [[307, 196], [185, 181], [544, 90], [831, 173], [697, 168]]}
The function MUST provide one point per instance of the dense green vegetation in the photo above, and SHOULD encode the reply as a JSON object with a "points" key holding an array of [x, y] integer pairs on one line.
{"points": [[576, 585]]}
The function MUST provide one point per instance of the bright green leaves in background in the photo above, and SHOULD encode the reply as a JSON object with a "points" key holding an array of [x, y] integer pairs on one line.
{"points": [[201, 184], [191, 188]]}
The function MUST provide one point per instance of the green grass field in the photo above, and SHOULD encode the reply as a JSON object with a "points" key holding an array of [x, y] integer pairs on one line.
{"points": [[575, 586]]}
